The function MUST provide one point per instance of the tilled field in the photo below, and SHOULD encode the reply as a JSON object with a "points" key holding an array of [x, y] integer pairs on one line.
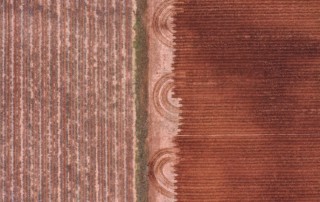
{"points": [[66, 94], [247, 74], [159, 100]]}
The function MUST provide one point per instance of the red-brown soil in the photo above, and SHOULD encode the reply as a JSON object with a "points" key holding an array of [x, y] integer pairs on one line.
{"points": [[247, 73]]}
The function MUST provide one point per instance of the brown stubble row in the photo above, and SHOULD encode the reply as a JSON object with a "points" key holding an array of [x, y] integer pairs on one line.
{"points": [[247, 74], [66, 101]]}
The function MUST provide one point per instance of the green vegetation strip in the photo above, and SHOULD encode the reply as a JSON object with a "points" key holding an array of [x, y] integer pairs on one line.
{"points": [[141, 90]]}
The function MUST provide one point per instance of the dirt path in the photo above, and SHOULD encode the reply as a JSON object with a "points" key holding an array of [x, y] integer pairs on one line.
{"points": [[163, 109]]}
